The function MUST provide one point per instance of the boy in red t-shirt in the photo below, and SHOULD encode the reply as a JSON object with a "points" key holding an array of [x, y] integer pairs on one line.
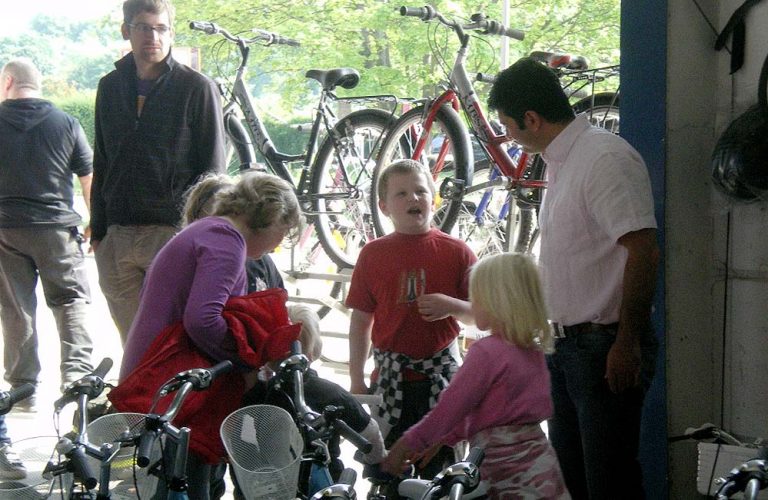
{"points": [[408, 289]]}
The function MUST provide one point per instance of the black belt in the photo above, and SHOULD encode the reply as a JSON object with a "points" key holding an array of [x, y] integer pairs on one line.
{"points": [[562, 331]]}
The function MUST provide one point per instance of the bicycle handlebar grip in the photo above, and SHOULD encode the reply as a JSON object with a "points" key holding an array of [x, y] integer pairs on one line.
{"points": [[220, 369], [144, 452], [205, 26], [476, 456], [103, 368], [10, 398], [281, 40], [348, 476], [81, 467], [485, 78], [496, 28], [353, 437], [426, 13]]}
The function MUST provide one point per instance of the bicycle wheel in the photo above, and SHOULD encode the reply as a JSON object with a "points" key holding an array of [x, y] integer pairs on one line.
{"points": [[602, 110], [447, 154], [340, 184], [495, 220]]}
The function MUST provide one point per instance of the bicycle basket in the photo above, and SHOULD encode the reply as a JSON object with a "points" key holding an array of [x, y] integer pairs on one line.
{"points": [[35, 453], [264, 447], [108, 429]]}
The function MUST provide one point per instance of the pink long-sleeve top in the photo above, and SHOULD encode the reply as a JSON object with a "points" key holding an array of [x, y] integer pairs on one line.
{"points": [[190, 280], [498, 384]]}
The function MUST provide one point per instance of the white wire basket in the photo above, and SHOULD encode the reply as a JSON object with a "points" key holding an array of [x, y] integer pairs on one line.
{"points": [[35, 453], [264, 447]]}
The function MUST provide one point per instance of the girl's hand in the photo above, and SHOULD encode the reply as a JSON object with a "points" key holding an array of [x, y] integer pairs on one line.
{"points": [[427, 455], [397, 458]]}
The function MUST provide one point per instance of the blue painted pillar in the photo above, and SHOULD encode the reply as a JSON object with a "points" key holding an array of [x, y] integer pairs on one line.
{"points": [[643, 124]]}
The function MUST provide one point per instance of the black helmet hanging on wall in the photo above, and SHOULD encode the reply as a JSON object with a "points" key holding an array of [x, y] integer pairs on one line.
{"points": [[740, 158]]}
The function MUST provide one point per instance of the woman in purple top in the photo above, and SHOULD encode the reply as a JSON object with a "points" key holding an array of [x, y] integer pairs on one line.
{"points": [[500, 395], [195, 273]]}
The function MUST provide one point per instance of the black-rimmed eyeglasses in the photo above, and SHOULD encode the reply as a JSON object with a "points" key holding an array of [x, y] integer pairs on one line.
{"points": [[147, 29]]}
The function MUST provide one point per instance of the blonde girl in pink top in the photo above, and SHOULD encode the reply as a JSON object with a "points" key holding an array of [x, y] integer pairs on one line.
{"points": [[499, 397]]}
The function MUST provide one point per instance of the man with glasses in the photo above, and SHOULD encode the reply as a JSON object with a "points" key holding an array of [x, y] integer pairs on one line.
{"points": [[158, 129]]}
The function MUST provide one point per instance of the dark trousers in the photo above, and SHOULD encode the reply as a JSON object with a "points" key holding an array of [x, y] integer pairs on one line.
{"points": [[415, 405], [595, 432]]}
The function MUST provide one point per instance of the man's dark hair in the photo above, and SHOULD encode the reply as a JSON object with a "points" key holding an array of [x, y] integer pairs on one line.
{"points": [[528, 85]]}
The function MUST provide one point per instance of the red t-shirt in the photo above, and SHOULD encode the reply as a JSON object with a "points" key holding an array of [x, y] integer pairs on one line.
{"points": [[392, 271]]}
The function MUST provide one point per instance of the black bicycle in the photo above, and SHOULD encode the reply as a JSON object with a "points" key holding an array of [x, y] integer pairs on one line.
{"points": [[334, 182]]}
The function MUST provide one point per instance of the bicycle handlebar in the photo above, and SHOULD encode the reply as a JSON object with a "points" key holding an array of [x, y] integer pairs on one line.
{"points": [[10, 398], [479, 22], [749, 477], [353, 436], [78, 462], [270, 38], [199, 378], [91, 385]]}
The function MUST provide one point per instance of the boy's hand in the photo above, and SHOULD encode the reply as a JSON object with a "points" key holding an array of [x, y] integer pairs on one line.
{"points": [[358, 387], [435, 306]]}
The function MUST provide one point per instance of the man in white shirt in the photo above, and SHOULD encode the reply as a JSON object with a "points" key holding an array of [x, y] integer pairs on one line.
{"points": [[599, 258]]}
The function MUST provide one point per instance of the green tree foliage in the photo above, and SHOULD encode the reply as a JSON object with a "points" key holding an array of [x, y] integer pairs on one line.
{"points": [[72, 56], [403, 56], [81, 107]]}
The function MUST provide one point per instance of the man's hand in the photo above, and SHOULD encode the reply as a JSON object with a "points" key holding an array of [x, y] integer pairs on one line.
{"points": [[622, 367], [94, 244]]}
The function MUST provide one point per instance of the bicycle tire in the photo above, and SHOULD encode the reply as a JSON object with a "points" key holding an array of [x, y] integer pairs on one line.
{"points": [[506, 221], [340, 196], [455, 167], [601, 109]]}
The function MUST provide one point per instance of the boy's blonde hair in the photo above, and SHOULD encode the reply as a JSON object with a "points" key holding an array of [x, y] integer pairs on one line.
{"points": [[507, 287], [402, 167]]}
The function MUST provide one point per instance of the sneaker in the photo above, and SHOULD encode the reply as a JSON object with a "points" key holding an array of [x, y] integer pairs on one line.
{"points": [[11, 466]]}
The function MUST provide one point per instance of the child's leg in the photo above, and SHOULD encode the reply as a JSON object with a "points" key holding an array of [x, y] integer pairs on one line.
{"points": [[320, 393]]}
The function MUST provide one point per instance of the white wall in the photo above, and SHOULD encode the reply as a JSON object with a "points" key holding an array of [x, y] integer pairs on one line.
{"points": [[708, 306]]}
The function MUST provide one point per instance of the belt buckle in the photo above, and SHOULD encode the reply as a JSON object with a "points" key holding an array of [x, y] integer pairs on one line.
{"points": [[558, 331]]}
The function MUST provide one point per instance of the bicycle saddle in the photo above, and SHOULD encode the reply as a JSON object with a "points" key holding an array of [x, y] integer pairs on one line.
{"points": [[557, 60], [347, 78]]}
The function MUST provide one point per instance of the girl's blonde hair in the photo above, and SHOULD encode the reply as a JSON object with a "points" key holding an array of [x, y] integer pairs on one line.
{"points": [[507, 288], [263, 199]]}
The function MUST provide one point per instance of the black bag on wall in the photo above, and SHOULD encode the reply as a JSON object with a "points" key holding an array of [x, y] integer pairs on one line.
{"points": [[740, 158]]}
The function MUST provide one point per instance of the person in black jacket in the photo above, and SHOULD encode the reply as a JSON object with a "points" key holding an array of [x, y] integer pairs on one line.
{"points": [[158, 129], [41, 148]]}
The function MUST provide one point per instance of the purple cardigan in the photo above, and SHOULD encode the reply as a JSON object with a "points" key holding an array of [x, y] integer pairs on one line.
{"points": [[190, 280]]}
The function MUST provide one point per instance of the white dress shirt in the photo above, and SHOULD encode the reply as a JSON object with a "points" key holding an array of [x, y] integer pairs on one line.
{"points": [[598, 190]]}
